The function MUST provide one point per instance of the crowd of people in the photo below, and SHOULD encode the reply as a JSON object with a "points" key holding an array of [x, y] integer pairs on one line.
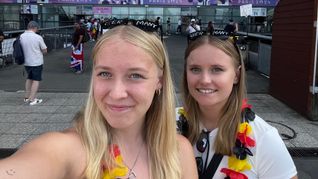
{"points": [[130, 128]]}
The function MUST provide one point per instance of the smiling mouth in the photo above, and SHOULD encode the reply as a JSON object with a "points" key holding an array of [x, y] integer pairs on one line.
{"points": [[206, 91], [119, 108]]}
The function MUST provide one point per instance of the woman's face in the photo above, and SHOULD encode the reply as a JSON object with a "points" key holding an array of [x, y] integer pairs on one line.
{"points": [[210, 75], [124, 82]]}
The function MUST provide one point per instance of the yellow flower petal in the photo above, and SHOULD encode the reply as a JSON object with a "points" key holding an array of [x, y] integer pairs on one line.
{"points": [[238, 165], [245, 127], [182, 112], [120, 171], [116, 172]]}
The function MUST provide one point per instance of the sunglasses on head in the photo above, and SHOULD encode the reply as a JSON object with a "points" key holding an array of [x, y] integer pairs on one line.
{"points": [[145, 25], [202, 144], [223, 35]]}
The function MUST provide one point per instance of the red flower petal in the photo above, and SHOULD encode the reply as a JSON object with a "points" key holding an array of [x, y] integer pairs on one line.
{"points": [[116, 150], [233, 174], [245, 139], [245, 104]]}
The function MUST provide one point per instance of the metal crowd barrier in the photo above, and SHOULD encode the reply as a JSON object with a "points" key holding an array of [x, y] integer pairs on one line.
{"points": [[54, 38], [259, 51]]}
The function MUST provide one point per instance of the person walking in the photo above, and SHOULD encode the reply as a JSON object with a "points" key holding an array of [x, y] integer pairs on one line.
{"points": [[168, 26], [179, 28], [210, 28], [33, 48], [77, 58]]}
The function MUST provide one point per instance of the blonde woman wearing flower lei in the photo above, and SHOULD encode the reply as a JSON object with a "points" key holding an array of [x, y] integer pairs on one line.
{"points": [[127, 129], [229, 140]]}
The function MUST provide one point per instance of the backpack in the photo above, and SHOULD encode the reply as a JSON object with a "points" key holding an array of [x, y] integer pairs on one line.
{"points": [[18, 54], [86, 36]]}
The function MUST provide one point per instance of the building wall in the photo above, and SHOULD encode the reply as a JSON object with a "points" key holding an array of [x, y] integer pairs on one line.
{"points": [[293, 53], [53, 15]]}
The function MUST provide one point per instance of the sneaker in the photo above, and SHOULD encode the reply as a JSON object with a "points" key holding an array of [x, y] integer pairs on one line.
{"points": [[26, 100], [35, 101]]}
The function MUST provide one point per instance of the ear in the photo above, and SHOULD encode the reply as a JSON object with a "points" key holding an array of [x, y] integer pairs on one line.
{"points": [[237, 74], [159, 84]]}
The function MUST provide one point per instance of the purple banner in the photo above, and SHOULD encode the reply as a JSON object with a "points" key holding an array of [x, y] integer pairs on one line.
{"points": [[8, 1], [96, 1], [102, 10], [169, 2], [75, 1], [204, 2], [119, 2], [253, 2]]}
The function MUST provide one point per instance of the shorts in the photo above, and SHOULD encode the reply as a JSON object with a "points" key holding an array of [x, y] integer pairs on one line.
{"points": [[34, 72]]}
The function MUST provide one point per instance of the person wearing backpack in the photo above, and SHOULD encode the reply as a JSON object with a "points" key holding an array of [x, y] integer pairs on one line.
{"points": [[33, 47], [77, 57]]}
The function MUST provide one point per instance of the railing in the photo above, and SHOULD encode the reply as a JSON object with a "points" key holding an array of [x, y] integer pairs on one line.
{"points": [[259, 52]]}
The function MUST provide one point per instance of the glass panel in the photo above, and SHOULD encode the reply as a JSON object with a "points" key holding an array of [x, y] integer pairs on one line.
{"points": [[11, 9], [49, 9], [137, 11], [120, 12], [50, 17], [188, 11], [154, 11], [69, 10], [137, 17]]}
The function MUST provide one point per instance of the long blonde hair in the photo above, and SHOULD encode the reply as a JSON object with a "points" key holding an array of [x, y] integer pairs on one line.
{"points": [[160, 125], [231, 111]]}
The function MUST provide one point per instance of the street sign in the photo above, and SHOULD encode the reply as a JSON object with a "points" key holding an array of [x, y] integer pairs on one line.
{"points": [[246, 10]]}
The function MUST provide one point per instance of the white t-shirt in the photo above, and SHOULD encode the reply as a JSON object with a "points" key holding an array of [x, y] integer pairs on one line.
{"points": [[270, 160], [191, 29], [32, 45]]}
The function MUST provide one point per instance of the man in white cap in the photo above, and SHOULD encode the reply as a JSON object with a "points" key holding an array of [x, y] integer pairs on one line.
{"points": [[193, 27], [33, 48]]}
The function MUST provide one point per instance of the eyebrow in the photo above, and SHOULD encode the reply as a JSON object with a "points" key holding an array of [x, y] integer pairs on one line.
{"points": [[196, 65], [130, 69]]}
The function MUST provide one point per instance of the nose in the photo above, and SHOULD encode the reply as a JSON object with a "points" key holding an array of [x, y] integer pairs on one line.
{"points": [[118, 90], [205, 78]]}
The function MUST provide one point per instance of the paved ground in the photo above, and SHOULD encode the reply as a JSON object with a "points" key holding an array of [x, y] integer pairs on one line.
{"points": [[64, 93]]}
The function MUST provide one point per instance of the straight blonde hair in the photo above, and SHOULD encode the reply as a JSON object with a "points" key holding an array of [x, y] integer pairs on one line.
{"points": [[231, 111], [160, 124]]}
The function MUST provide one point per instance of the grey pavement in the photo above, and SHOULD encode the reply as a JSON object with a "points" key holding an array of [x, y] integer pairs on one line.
{"points": [[64, 93]]}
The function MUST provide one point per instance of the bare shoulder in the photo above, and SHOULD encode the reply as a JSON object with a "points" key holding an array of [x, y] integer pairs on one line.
{"points": [[50, 155], [188, 164], [184, 143]]}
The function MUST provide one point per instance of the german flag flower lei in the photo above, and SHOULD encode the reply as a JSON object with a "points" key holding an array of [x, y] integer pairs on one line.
{"points": [[120, 170], [238, 162]]}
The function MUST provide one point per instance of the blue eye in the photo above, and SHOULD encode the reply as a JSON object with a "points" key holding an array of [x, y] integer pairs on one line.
{"points": [[104, 74], [216, 70], [136, 76], [195, 70]]}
